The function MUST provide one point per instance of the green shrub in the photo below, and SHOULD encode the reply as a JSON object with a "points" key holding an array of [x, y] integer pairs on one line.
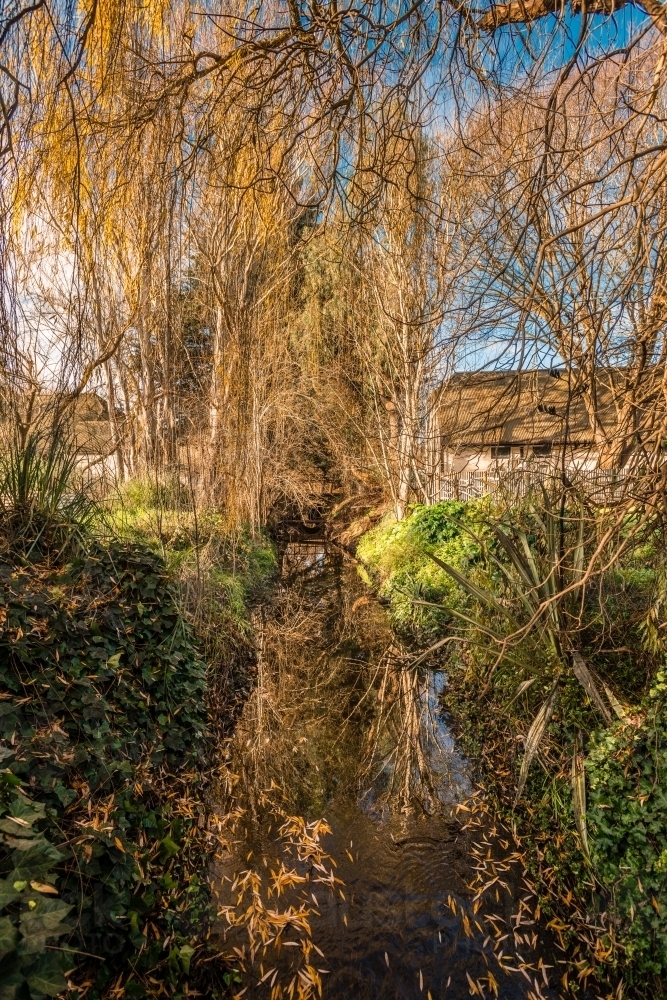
{"points": [[628, 830], [395, 554]]}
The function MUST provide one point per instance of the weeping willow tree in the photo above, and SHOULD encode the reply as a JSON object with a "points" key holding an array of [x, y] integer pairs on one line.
{"points": [[167, 173]]}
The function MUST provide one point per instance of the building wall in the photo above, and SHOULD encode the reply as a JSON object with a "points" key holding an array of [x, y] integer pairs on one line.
{"points": [[485, 459]]}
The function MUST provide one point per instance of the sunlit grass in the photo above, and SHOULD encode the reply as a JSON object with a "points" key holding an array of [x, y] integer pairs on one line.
{"points": [[203, 552]]}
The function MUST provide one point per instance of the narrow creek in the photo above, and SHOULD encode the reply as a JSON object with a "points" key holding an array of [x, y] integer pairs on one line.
{"points": [[339, 731]]}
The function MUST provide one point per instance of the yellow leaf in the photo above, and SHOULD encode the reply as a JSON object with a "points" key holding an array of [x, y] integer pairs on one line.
{"points": [[119, 844], [474, 991], [43, 887]]}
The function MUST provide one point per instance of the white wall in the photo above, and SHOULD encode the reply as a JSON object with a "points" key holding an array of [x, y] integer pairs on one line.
{"points": [[480, 460]]}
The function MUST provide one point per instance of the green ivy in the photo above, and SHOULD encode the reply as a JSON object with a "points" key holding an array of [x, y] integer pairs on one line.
{"points": [[628, 826], [31, 915], [102, 727]]}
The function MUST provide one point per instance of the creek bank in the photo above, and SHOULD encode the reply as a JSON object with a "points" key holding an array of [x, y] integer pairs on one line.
{"points": [[103, 723], [609, 910], [219, 575], [109, 723]]}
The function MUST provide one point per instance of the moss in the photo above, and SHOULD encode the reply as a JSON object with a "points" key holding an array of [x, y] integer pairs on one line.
{"points": [[395, 556]]}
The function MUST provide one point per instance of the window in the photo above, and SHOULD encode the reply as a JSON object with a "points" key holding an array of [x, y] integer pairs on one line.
{"points": [[501, 451], [541, 450]]}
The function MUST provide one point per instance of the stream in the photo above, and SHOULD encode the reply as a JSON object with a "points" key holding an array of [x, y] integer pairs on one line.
{"points": [[341, 735]]}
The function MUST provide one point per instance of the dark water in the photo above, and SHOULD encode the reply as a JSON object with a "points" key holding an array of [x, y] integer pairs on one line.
{"points": [[340, 727]]}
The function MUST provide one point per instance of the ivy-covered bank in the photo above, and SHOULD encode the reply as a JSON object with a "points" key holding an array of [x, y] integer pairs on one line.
{"points": [[103, 842], [600, 865], [627, 771], [106, 716]]}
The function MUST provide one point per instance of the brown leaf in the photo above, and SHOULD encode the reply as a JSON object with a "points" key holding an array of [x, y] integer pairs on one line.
{"points": [[585, 678], [535, 734]]}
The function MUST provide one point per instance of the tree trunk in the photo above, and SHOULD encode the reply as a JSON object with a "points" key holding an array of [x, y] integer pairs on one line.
{"points": [[113, 422]]}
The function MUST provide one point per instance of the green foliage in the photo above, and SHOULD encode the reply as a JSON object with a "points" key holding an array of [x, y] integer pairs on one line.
{"points": [[396, 554], [628, 822], [142, 494], [31, 917], [218, 570], [602, 641], [43, 512], [103, 727]]}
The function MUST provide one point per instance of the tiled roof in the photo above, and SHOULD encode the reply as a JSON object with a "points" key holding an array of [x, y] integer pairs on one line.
{"points": [[93, 437], [515, 408], [86, 420]]}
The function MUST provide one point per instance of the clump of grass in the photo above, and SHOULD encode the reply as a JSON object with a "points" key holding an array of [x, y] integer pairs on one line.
{"points": [[44, 510]]}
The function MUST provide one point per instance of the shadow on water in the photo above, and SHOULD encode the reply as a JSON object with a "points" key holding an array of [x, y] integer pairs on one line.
{"points": [[339, 726]]}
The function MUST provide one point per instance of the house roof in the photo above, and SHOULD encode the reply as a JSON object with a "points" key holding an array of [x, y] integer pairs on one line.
{"points": [[86, 420], [481, 409], [93, 437]]}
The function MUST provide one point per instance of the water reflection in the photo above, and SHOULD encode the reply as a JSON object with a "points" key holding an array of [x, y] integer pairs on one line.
{"points": [[411, 761], [303, 557], [340, 726]]}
